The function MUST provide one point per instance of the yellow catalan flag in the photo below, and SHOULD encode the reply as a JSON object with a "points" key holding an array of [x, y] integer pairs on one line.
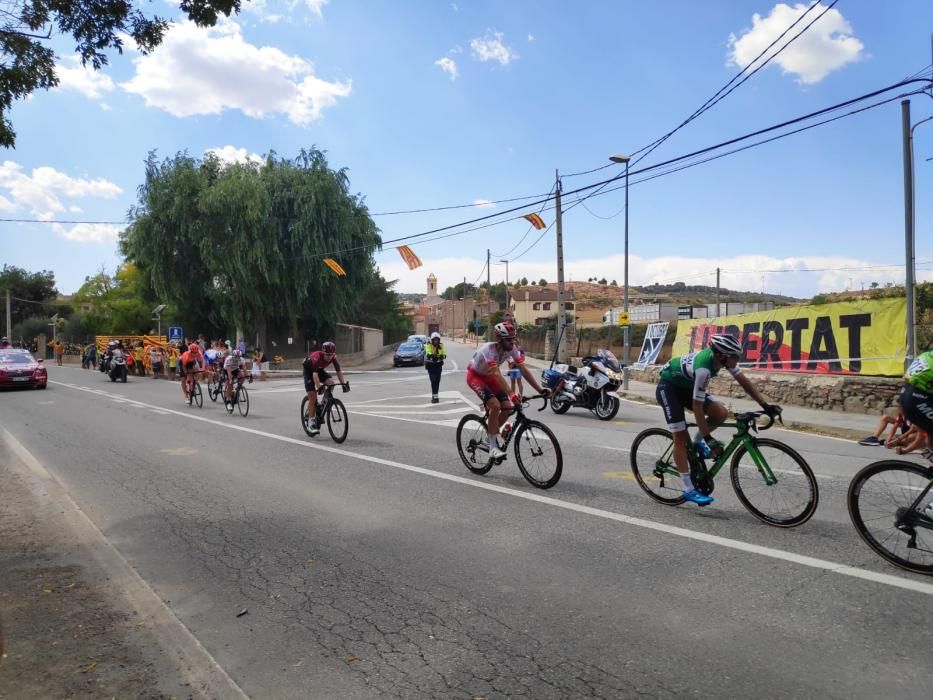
{"points": [[335, 266], [408, 255], [535, 221]]}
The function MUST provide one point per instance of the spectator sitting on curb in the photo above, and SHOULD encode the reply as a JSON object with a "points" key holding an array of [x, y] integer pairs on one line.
{"points": [[875, 440], [908, 441]]}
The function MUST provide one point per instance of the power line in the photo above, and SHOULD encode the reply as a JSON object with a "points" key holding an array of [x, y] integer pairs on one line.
{"points": [[484, 203], [530, 226]]}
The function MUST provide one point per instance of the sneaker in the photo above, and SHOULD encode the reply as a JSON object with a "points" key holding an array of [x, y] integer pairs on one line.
{"points": [[496, 453], [870, 441], [698, 498]]}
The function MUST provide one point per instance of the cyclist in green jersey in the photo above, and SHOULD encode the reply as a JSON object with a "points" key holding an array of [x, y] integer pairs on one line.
{"points": [[683, 383], [917, 397]]}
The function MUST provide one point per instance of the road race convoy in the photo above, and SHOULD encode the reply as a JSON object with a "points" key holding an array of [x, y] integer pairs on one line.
{"points": [[673, 465]]}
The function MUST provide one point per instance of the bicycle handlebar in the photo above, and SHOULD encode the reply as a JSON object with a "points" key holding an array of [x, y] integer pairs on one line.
{"points": [[753, 416]]}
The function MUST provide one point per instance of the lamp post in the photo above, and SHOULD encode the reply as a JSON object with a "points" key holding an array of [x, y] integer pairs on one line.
{"points": [[910, 215], [619, 158], [157, 312]]}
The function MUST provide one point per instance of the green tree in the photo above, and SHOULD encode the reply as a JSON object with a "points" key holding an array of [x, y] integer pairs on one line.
{"points": [[29, 27], [121, 303], [244, 244], [379, 307], [31, 292], [523, 282], [542, 282], [614, 283], [603, 281]]}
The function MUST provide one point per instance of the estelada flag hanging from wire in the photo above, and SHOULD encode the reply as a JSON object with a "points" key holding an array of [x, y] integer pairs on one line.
{"points": [[335, 266], [535, 221], [408, 255]]}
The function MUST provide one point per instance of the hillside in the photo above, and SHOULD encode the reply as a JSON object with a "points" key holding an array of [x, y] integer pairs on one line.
{"points": [[590, 293]]}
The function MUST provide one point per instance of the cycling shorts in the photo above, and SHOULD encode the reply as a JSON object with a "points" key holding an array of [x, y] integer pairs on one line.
{"points": [[485, 386], [673, 400], [322, 376], [918, 408], [188, 367]]}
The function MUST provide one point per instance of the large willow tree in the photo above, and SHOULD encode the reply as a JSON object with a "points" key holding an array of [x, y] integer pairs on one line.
{"points": [[243, 244]]}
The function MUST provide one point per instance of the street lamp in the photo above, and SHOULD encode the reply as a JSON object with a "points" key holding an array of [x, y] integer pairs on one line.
{"points": [[911, 243], [157, 312], [619, 158]]}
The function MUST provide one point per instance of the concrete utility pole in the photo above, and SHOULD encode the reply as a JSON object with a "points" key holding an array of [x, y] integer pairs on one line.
{"points": [[9, 318], [560, 273], [464, 311], [717, 292], [508, 296], [910, 235], [488, 300]]}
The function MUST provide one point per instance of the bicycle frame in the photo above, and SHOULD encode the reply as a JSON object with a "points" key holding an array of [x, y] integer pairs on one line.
{"points": [[741, 438]]}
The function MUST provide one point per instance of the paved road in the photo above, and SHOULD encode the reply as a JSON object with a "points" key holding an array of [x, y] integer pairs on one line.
{"points": [[382, 568]]}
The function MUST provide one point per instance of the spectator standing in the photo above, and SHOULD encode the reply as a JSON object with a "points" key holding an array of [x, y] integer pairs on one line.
{"points": [[515, 374], [90, 353], [155, 359], [172, 362], [255, 369], [263, 364], [434, 355], [59, 351], [140, 358]]}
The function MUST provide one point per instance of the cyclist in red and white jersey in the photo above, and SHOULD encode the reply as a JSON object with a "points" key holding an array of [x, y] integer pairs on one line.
{"points": [[485, 378]]}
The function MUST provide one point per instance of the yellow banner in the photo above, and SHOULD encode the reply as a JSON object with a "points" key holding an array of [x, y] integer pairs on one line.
{"points": [[867, 337]]}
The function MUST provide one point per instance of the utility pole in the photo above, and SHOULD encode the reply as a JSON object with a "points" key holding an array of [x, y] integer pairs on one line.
{"points": [[909, 229], [560, 273], [488, 300], [717, 292], [9, 318], [464, 311]]}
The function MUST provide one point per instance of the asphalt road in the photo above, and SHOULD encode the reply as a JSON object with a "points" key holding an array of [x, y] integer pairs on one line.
{"points": [[383, 568]]}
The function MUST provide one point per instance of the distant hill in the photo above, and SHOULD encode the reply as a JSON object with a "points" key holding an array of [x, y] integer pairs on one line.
{"points": [[594, 294]]}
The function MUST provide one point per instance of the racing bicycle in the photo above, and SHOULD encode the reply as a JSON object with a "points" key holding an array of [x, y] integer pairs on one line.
{"points": [[537, 451], [240, 397], [194, 390], [891, 505], [330, 410], [773, 482]]}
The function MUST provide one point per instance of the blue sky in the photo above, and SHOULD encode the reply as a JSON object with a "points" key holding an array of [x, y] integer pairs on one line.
{"points": [[434, 104]]}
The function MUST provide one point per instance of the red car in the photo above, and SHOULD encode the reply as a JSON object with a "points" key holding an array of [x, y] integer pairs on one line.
{"points": [[19, 368]]}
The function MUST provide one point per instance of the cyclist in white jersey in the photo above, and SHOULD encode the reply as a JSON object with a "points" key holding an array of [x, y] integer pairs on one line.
{"points": [[485, 379]]}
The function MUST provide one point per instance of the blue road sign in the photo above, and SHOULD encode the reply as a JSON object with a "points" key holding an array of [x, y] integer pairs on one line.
{"points": [[476, 325], [174, 334]]}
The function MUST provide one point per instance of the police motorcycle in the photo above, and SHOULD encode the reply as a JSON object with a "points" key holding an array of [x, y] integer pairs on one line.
{"points": [[593, 386], [117, 368]]}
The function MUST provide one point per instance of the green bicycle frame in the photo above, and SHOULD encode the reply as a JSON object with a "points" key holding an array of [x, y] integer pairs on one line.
{"points": [[742, 437]]}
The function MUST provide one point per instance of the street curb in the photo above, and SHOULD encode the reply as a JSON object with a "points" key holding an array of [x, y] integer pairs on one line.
{"points": [[201, 671]]}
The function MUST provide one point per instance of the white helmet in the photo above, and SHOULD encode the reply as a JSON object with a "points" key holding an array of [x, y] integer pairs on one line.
{"points": [[725, 345], [435, 334]]}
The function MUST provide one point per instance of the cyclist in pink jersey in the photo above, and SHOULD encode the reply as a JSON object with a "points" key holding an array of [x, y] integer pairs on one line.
{"points": [[485, 378]]}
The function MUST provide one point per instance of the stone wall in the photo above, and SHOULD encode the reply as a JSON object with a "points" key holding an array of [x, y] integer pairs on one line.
{"points": [[821, 391]]}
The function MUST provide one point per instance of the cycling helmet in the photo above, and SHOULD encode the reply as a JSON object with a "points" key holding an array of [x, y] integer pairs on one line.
{"points": [[237, 353], [328, 348], [505, 330], [725, 345], [194, 347]]}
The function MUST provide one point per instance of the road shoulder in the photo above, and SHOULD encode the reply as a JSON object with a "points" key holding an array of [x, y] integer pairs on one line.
{"points": [[77, 620]]}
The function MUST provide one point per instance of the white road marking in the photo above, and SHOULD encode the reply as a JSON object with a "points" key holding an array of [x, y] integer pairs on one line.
{"points": [[705, 538]]}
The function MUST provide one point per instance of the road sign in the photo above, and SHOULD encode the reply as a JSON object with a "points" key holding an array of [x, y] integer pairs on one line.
{"points": [[623, 318], [476, 325], [174, 334]]}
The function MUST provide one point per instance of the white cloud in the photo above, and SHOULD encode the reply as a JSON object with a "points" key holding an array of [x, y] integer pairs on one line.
{"points": [[42, 190], [206, 71], [448, 65], [85, 80], [491, 48], [72, 209], [531, 37], [6, 204], [105, 107], [484, 204], [825, 47], [88, 233], [232, 154], [454, 5], [316, 6], [751, 273]]}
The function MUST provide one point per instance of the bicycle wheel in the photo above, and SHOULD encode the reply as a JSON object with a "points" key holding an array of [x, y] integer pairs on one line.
{"points": [[473, 443], [652, 459], [228, 403], [305, 419], [790, 500], [338, 422], [242, 401], [213, 389], [538, 454], [880, 497], [196, 394]]}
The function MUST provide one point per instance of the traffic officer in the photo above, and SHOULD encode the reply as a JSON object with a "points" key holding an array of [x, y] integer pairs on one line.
{"points": [[434, 355]]}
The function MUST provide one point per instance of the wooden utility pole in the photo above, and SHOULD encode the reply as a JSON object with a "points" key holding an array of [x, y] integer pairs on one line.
{"points": [[717, 292], [488, 301]]}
